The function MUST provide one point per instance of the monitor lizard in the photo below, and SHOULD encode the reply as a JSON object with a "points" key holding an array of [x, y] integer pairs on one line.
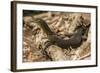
{"points": [[74, 42]]}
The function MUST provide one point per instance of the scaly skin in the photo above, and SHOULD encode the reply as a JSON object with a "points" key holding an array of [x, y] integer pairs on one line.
{"points": [[74, 42]]}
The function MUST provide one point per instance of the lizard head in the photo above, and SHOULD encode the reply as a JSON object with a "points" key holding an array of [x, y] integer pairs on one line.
{"points": [[42, 23], [39, 21]]}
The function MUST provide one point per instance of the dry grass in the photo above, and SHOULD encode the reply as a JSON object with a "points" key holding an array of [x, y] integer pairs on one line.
{"points": [[61, 23]]}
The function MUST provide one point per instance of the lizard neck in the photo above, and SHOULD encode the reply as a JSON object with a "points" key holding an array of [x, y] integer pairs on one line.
{"points": [[45, 28]]}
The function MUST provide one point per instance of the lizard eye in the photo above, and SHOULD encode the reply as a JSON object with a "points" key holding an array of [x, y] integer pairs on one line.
{"points": [[38, 20]]}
